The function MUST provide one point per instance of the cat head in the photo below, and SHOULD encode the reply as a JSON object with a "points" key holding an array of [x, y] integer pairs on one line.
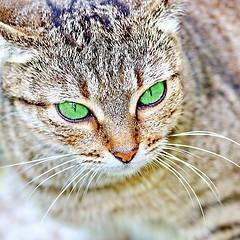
{"points": [[101, 78]]}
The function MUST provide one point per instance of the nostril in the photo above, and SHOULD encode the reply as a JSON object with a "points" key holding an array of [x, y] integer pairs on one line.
{"points": [[126, 157]]}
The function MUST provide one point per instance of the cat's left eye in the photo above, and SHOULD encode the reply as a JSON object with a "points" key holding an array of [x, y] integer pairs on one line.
{"points": [[72, 112], [153, 95]]}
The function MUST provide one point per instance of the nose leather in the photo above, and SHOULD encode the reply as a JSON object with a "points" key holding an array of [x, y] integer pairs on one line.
{"points": [[126, 157]]}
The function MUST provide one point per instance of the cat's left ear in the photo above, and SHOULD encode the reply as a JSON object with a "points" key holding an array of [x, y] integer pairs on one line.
{"points": [[162, 14]]}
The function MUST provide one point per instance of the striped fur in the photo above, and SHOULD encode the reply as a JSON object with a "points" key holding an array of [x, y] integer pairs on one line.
{"points": [[105, 55]]}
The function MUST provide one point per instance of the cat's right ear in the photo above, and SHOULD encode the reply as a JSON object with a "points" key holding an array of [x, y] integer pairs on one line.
{"points": [[13, 45], [14, 35], [15, 39]]}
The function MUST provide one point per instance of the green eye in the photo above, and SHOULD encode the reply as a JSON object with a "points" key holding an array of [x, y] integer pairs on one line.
{"points": [[154, 94], [72, 112]]}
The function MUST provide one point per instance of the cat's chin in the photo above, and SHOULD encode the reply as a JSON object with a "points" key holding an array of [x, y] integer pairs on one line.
{"points": [[124, 171]]}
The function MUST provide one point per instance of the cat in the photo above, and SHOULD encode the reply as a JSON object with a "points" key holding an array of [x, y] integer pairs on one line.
{"points": [[122, 117]]}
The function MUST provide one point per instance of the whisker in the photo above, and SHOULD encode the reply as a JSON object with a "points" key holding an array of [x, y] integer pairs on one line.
{"points": [[203, 150], [9, 115], [81, 178], [99, 176], [143, 177], [45, 180], [177, 174], [85, 176], [49, 170], [104, 176], [203, 133], [198, 172], [59, 195], [35, 164], [41, 160], [72, 176], [94, 173], [167, 155], [76, 175], [182, 151]]}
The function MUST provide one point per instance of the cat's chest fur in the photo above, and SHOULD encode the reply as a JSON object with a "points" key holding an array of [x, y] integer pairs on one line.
{"points": [[112, 116]]}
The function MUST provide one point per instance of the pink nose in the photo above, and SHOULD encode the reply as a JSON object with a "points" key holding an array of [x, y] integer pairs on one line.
{"points": [[126, 157]]}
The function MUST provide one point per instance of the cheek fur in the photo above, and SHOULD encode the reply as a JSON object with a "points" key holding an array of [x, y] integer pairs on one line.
{"points": [[160, 120]]}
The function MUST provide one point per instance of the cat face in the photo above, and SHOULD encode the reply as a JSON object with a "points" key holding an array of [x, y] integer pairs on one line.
{"points": [[102, 69]]}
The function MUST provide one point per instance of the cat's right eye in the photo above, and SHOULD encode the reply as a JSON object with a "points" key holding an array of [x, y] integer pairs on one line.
{"points": [[72, 112]]}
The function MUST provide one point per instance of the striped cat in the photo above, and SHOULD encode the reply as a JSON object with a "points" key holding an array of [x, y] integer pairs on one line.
{"points": [[119, 115]]}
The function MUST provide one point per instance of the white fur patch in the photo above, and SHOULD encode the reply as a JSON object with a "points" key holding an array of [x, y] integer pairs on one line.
{"points": [[168, 26], [11, 53], [3, 50]]}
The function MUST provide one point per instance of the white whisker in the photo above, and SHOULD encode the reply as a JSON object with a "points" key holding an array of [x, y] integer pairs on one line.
{"points": [[198, 172], [49, 170], [93, 175], [9, 115], [59, 195], [35, 164], [142, 176], [203, 133], [76, 175], [72, 176], [176, 174], [179, 176], [85, 176], [203, 150], [45, 180], [99, 177], [39, 161], [167, 155]]}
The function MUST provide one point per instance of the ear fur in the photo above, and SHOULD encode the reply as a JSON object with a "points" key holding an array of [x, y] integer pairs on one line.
{"points": [[14, 35], [162, 14]]}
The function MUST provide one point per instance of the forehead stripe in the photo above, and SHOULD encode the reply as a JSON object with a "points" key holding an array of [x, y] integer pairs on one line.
{"points": [[139, 76], [83, 88]]}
